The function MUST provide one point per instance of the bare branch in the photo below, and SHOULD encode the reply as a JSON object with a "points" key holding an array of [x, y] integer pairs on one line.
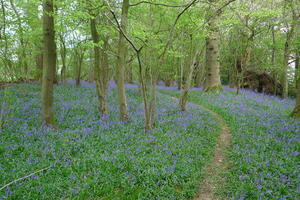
{"points": [[22, 178], [158, 4]]}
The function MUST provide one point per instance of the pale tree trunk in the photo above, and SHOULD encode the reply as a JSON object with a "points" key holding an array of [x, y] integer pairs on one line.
{"points": [[49, 62], [100, 85], [212, 78], [122, 51], [187, 84]]}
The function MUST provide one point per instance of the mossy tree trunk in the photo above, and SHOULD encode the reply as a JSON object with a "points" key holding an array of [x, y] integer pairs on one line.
{"points": [[100, 78], [121, 64], [49, 62]]}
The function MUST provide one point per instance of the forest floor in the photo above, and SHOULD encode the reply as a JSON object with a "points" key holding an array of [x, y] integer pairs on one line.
{"points": [[90, 158]]}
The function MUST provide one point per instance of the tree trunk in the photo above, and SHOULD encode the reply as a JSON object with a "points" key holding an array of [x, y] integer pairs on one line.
{"points": [[98, 76], [187, 84], [284, 78], [122, 51], [49, 62], [78, 71], [212, 78], [79, 59], [63, 52]]}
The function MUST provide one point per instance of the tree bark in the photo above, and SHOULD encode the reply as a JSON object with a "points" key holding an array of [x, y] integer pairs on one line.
{"points": [[49, 62], [122, 51], [78, 60], [187, 84], [63, 53], [99, 77], [212, 78]]}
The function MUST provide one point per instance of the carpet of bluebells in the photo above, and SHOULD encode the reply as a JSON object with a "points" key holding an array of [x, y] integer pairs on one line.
{"points": [[264, 156], [93, 158]]}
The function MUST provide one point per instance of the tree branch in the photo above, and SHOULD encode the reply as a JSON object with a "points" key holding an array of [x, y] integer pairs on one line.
{"points": [[158, 4], [22, 178]]}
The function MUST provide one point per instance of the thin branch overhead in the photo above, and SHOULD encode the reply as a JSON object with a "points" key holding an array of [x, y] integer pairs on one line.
{"points": [[121, 30], [159, 4]]}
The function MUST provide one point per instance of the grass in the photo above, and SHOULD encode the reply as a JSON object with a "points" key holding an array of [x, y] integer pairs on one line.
{"points": [[92, 158], [264, 154]]}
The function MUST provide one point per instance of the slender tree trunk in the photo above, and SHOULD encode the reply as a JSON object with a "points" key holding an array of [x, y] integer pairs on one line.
{"points": [[78, 71], [49, 62], [63, 53], [187, 84], [122, 51], [284, 78], [212, 78], [79, 59], [100, 85]]}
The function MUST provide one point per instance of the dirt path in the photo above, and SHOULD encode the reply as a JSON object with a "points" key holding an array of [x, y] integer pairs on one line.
{"points": [[214, 179]]}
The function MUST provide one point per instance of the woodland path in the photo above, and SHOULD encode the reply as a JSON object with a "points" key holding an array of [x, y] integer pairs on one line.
{"points": [[214, 178]]}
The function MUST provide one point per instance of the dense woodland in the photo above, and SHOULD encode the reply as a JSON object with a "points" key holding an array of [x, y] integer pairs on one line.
{"points": [[140, 52]]}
